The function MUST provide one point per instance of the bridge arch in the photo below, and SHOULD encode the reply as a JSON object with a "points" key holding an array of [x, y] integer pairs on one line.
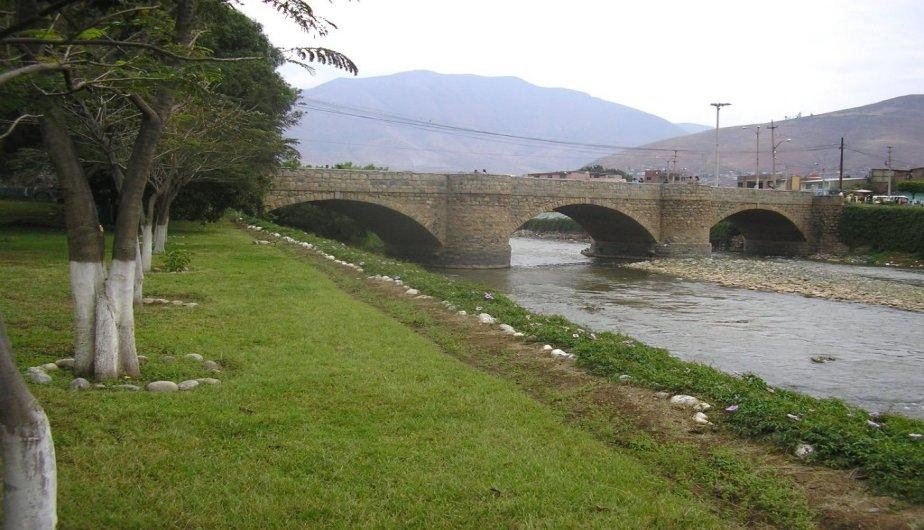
{"points": [[767, 230], [403, 233], [616, 233]]}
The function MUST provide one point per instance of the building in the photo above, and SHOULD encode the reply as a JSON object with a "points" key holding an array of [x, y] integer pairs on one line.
{"points": [[771, 182], [883, 181], [823, 185], [577, 175], [661, 176]]}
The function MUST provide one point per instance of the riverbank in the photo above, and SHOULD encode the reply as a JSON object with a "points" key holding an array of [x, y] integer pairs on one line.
{"points": [[344, 401], [844, 436], [790, 276], [329, 412]]}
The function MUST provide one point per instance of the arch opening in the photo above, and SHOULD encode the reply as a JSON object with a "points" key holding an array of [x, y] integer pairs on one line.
{"points": [[402, 236], [759, 232], [613, 234]]}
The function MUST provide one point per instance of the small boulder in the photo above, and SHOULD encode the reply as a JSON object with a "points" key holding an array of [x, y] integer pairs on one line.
{"points": [[915, 436], [79, 384], [701, 419], [681, 401], [519, 334], [211, 366], [507, 328], [208, 381], [38, 376], [561, 354], [485, 318], [625, 378], [194, 357], [547, 347], [162, 386], [804, 451], [49, 367], [130, 388], [462, 312], [67, 362], [188, 385], [411, 292], [142, 359]]}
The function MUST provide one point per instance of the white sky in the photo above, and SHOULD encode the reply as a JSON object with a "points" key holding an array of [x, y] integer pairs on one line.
{"points": [[770, 59]]}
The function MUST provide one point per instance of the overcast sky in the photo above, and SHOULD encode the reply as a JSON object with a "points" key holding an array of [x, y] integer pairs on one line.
{"points": [[770, 59]]}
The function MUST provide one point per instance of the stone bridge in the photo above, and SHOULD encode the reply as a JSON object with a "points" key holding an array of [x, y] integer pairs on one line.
{"points": [[465, 220]]}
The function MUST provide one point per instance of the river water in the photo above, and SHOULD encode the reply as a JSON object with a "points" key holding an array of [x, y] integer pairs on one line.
{"points": [[879, 350]]}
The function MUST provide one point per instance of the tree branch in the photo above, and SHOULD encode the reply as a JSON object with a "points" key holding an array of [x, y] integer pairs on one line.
{"points": [[30, 69], [128, 44], [21, 25], [16, 122]]}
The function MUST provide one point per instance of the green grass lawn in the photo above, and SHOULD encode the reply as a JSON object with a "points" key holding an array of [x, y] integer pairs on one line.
{"points": [[329, 412]]}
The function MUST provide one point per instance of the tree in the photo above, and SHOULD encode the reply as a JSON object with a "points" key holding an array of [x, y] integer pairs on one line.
{"points": [[29, 471], [911, 186], [73, 53]]}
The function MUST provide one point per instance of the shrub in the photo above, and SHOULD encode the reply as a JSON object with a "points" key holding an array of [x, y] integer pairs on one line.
{"points": [[177, 260], [891, 228]]}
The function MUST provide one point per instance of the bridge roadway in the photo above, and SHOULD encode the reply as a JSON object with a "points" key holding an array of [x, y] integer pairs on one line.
{"points": [[465, 220]]}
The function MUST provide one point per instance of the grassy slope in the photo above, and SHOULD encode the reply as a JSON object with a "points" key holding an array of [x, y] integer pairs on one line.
{"points": [[841, 434], [331, 413]]}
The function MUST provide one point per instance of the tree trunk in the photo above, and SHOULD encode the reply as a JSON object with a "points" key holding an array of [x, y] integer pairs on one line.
{"points": [[85, 240], [30, 480], [147, 232], [162, 220], [139, 275]]}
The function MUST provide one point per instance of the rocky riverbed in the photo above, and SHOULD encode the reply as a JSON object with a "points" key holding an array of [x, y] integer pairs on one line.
{"points": [[792, 276]]}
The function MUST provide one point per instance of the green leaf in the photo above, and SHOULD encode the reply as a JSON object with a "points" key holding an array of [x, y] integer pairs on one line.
{"points": [[91, 33]]}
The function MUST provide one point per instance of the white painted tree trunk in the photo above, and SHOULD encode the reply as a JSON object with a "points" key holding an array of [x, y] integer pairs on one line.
{"points": [[30, 480], [139, 276], [86, 284], [147, 244], [160, 235], [30, 483], [115, 324]]}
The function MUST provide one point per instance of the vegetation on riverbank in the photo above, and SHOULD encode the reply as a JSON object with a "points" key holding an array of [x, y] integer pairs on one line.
{"points": [[843, 436], [329, 413], [562, 225], [884, 228]]}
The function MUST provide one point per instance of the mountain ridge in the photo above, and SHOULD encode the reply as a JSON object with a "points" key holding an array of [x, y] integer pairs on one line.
{"points": [[813, 143], [329, 134]]}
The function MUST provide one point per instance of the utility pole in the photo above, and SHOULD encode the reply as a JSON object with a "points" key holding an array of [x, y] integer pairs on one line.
{"points": [[673, 179], [718, 107], [891, 173], [756, 130], [840, 171], [772, 128]]}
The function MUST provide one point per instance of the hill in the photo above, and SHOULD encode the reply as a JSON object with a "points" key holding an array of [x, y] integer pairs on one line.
{"points": [[867, 132], [389, 121], [693, 128]]}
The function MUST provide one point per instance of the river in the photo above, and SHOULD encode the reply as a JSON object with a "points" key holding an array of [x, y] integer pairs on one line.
{"points": [[879, 351]]}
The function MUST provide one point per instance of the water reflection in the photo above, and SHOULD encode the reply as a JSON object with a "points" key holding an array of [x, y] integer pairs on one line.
{"points": [[879, 353]]}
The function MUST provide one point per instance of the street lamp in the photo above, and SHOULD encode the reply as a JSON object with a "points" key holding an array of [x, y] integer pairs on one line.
{"points": [[756, 130], [773, 154], [718, 107]]}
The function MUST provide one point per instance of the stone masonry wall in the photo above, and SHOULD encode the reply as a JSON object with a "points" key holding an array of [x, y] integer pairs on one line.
{"points": [[473, 215]]}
